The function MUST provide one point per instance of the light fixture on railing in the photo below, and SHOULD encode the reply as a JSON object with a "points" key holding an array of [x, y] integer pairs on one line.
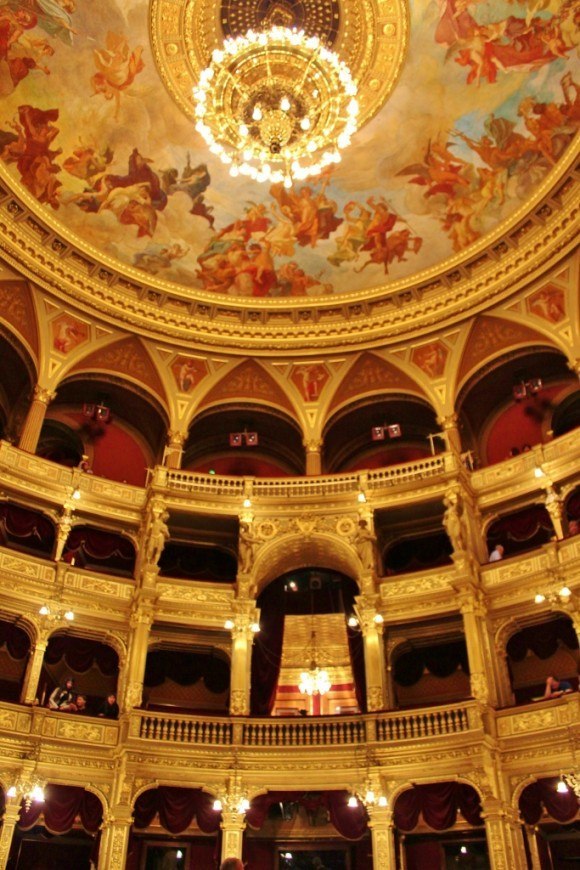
{"points": [[353, 621], [30, 790], [561, 597], [230, 625], [76, 493], [276, 106], [56, 612], [525, 387], [249, 439], [314, 681], [391, 430], [367, 797]]}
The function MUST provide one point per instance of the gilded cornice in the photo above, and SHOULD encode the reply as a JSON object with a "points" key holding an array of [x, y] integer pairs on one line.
{"points": [[518, 252]]}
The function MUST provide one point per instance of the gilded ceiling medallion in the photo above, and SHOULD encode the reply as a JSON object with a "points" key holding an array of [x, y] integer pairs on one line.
{"points": [[370, 37]]}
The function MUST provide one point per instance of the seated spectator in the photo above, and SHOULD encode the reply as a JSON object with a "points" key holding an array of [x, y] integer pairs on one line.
{"points": [[496, 554], [62, 695], [110, 708], [85, 465], [573, 528], [514, 451], [555, 687], [231, 864], [79, 705]]}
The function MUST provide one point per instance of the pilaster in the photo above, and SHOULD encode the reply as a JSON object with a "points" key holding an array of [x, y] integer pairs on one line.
{"points": [[504, 837], [382, 837], [233, 825], [140, 623], [33, 670], [9, 822], [115, 839], [374, 655], [313, 456], [243, 624], [35, 418]]}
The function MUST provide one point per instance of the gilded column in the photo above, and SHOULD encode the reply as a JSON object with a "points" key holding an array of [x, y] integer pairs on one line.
{"points": [[173, 453], [242, 638], [35, 418], [505, 841], [372, 631], [382, 838], [533, 847], [313, 456], [140, 624], [233, 825], [9, 822], [473, 612], [33, 669], [115, 832], [555, 508], [452, 437]]}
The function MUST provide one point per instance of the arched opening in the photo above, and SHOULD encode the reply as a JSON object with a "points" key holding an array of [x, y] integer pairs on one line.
{"points": [[17, 378], [14, 653], [537, 651], [243, 440], [412, 538], [508, 406], [63, 831], [92, 665], [173, 827], [106, 552], [350, 436], [303, 620], [119, 426], [442, 823], [520, 531], [552, 816], [430, 670], [26, 530]]}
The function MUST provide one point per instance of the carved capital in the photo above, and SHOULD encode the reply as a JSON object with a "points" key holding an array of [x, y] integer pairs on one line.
{"points": [[43, 395]]}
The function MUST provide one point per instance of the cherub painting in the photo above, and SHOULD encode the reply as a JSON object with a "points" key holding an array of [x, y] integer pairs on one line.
{"points": [[117, 67], [549, 303], [68, 333], [310, 378], [188, 372], [431, 358]]}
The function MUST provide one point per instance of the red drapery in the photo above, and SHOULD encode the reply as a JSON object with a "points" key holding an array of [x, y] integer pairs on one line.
{"points": [[23, 528], [62, 806], [99, 549], [543, 793], [16, 640], [187, 668], [542, 640], [522, 530], [80, 654], [441, 660], [573, 506], [417, 554], [438, 804], [176, 808], [267, 650], [350, 822], [357, 663]]}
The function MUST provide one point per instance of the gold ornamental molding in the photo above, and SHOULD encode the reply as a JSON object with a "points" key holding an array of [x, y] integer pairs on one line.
{"points": [[370, 36]]}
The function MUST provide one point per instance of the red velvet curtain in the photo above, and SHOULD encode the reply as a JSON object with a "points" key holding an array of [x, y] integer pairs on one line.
{"points": [[418, 554], [267, 650], [103, 550], [522, 530], [197, 563], [186, 669], [16, 640], [80, 654], [357, 663], [542, 793], [23, 528], [438, 804], [350, 822], [176, 808], [62, 806], [441, 660], [573, 506], [543, 640]]}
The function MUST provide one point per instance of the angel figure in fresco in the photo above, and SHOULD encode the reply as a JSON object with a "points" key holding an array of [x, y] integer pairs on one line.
{"points": [[87, 163], [20, 52], [53, 16], [354, 233], [68, 335], [312, 214], [293, 281], [382, 243], [29, 150], [194, 181], [281, 236], [117, 67], [155, 258], [311, 377]]}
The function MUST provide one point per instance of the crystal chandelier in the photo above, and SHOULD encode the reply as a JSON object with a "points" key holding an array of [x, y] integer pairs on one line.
{"points": [[567, 781], [316, 680], [276, 106]]}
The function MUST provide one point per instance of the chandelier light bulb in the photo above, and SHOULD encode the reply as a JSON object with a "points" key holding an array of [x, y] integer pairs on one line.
{"points": [[353, 621], [44, 610], [565, 592], [69, 615], [247, 502], [382, 801], [562, 788], [76, 494], [539, 598], [11, 793], [255, 627], [278, 97], [352, 802], [217, 805]]}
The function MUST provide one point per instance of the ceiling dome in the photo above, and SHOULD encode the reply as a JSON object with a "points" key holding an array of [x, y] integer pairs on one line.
{"points": [[469, 113]]}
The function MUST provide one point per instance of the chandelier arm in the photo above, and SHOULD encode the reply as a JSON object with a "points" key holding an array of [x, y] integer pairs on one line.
{"points": [[299, 87]]}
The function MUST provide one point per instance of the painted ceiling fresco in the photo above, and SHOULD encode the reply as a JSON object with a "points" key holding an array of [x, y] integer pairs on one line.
{"points": [[487, 102]]}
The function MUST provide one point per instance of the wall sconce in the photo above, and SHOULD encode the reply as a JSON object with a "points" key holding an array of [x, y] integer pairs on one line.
{"points": [[569, 781], [99, 412], [379, 433], [29, 790], [562, 597], [56, 613], [361, 498], [367, 798], [230, 625], [237, 439]]}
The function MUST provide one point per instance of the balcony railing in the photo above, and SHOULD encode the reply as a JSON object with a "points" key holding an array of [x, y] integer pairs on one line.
{"points": [[324, 731]]}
